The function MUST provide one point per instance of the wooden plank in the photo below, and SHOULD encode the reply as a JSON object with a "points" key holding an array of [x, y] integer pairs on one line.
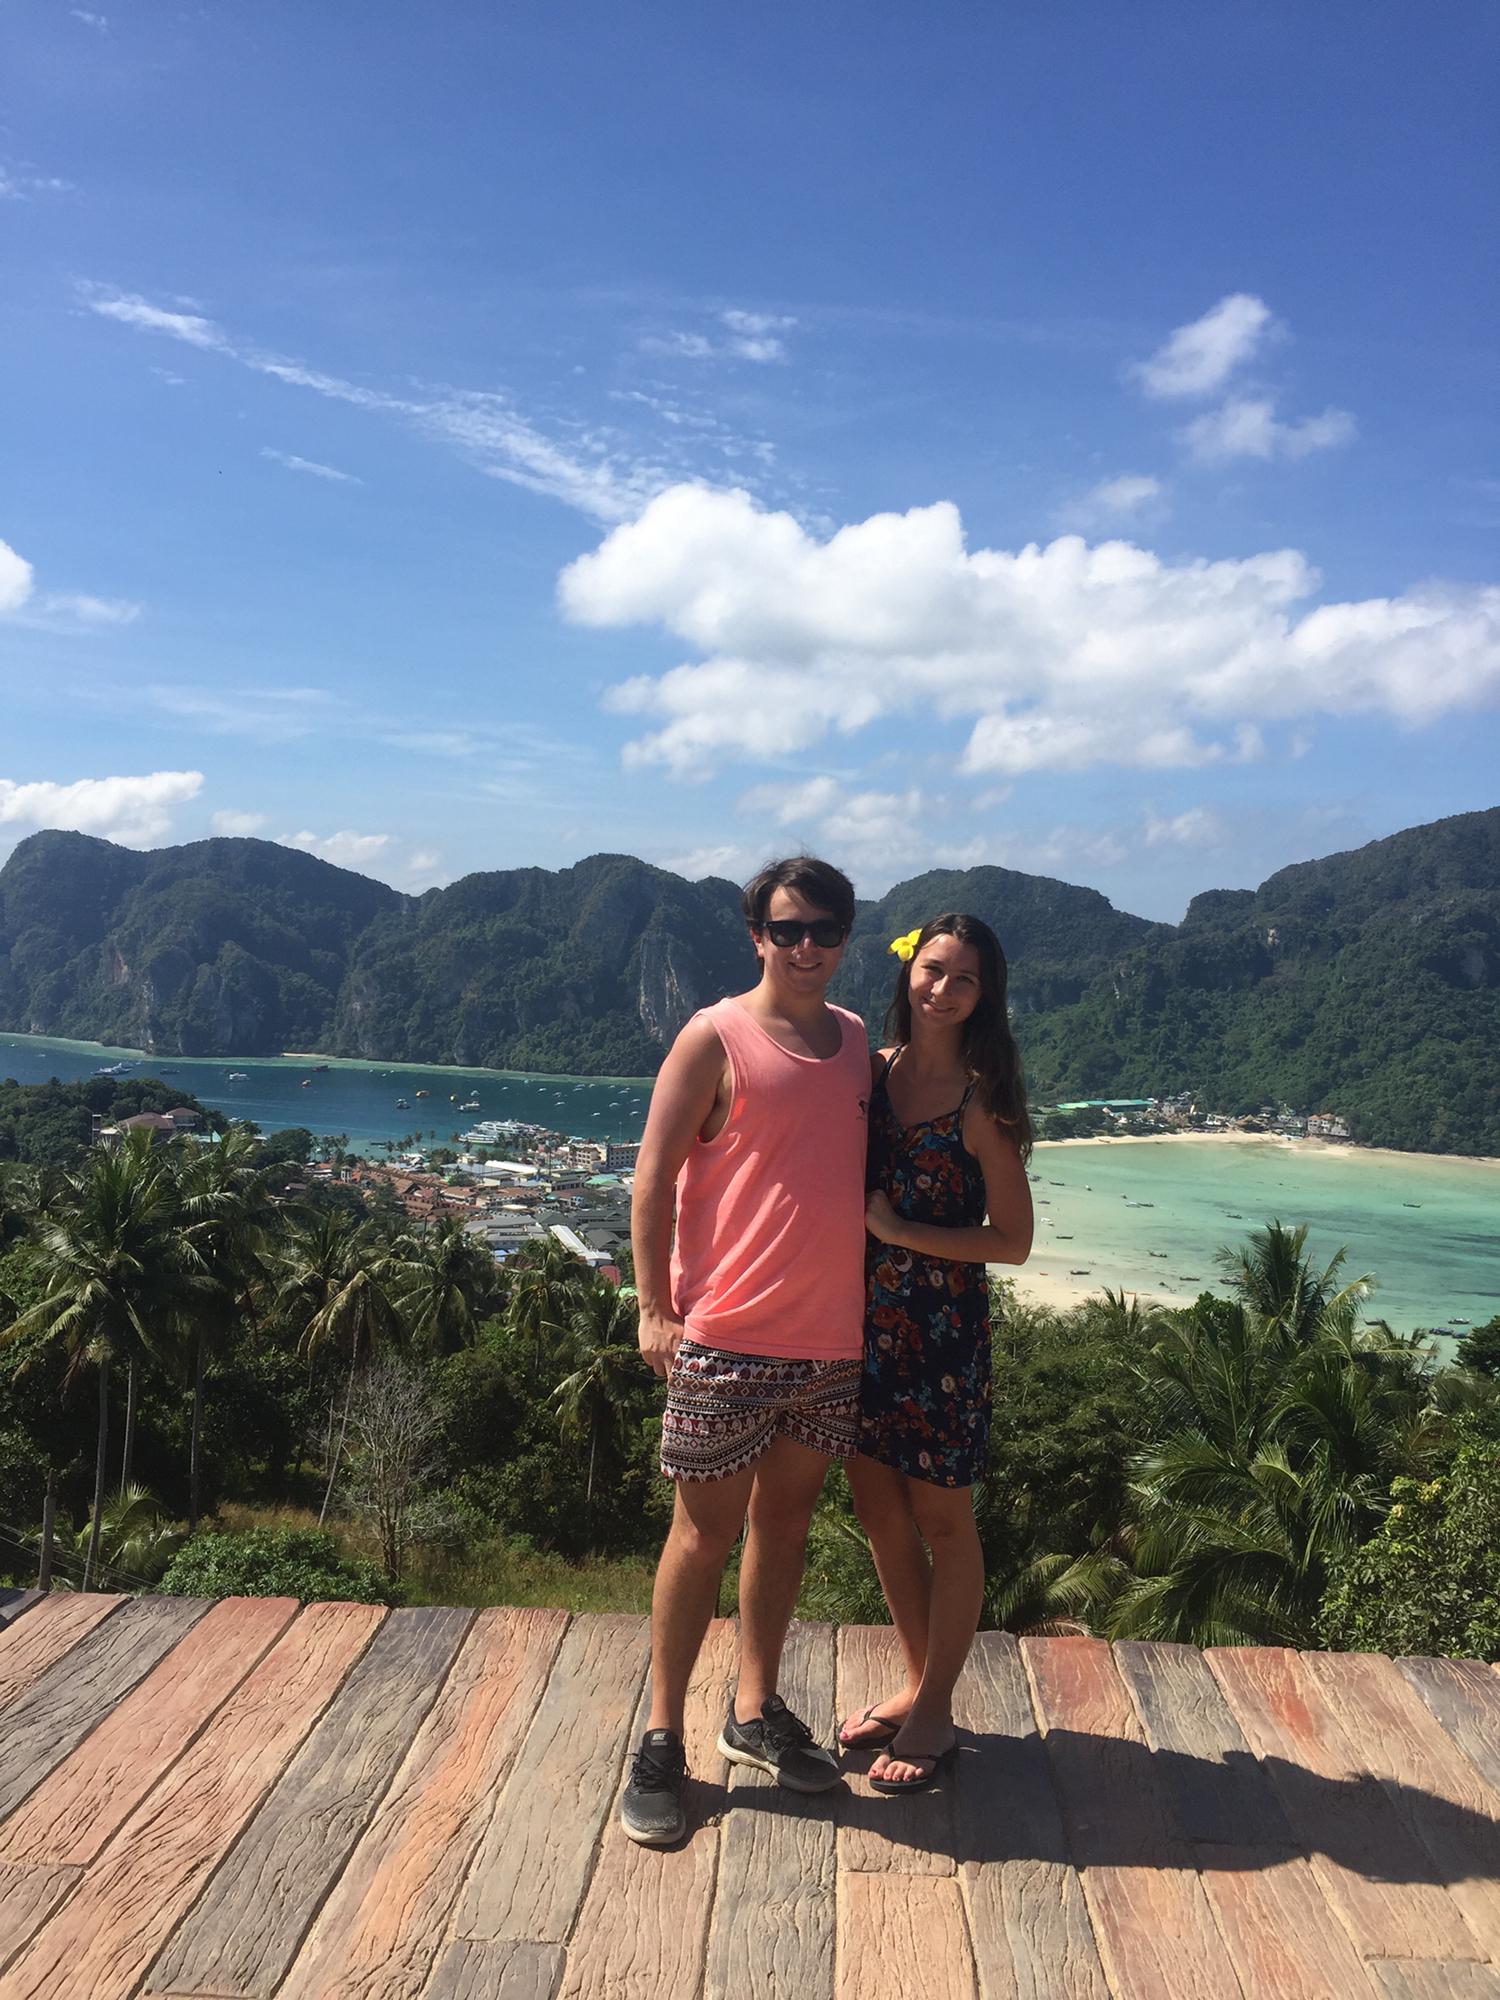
{"points": [[1435, 1979], [14, 1602], [30, 1647], [1028, 1921], [380, 1932], [1281, 1934], [912, 1835], [71, 1815], [1155, 1931], [772, 1931], [1219, 1791], [1433, 1786], [49, 1721], [533, 1864], [644, 1923], [1465, 1697], [1366, 1861], [28, 1896], [508, 1969], [245, 1929], [902, 1936], [111, 1927]]}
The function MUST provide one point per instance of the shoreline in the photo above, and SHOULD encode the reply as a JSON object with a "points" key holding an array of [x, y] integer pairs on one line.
{"points": [[1329, 1149]]}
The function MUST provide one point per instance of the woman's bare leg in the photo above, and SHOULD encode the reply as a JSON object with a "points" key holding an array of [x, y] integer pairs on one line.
{"points": [[944, 1517], [885, 1513]]}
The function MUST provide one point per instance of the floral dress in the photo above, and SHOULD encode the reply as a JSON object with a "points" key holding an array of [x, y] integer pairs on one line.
{"points": [[925, 1391]]}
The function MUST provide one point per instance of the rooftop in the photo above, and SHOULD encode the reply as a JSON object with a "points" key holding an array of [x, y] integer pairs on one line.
{"points": [[248, 1799]]}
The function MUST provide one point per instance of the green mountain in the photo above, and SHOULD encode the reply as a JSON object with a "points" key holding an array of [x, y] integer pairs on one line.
{"points": [[1367, 983]]}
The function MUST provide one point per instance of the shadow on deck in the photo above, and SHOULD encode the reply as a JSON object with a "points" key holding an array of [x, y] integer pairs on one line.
{"points": [[248, 1799]]}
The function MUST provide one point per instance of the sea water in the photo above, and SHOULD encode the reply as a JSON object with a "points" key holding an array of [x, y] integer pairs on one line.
{"points": [[1427, 1229], [355, 1099]]}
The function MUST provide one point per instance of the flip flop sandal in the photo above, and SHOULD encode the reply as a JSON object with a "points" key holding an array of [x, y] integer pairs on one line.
{"points": [[894, 1786], [883, 1722]]}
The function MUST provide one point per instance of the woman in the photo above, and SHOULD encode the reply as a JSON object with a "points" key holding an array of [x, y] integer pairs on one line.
{"points": [[949, 1139]]}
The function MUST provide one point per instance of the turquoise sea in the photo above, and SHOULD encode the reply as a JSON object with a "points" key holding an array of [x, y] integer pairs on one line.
{"points": [[1428, 1229], [355, 1098]]}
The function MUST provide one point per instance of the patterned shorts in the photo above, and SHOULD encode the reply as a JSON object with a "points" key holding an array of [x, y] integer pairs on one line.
{"points": [[723, 1409]]}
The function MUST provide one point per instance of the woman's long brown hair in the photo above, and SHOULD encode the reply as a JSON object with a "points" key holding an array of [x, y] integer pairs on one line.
{"points": [[989, 1048]]}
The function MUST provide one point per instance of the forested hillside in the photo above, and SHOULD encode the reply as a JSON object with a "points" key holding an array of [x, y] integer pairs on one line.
{"points": [[1366, 983]]}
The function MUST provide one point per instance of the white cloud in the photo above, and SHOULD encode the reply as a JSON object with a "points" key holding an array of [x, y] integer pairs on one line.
{"points": [[21, 183], [786, 804], [60, 608], [85, 610], [1061, 657], [733, 860], [1248, 427], [136, 811], [1114, 503], [99, 21], [748, 336], [345, 849], [1199, 358], [15, 579], [486, 428], [265, 715], [1199, 826], [237, 825], [295, 464]]}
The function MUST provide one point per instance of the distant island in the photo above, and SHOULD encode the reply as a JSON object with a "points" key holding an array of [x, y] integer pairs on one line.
{"points": [[1364, 987]]}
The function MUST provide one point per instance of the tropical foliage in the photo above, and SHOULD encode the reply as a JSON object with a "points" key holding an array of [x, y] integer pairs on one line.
{"points": [[1269, 1464]]}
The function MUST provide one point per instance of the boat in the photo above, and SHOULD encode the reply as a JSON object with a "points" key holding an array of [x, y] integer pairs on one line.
{"points": [[115, 1069], [307, 1083], [1411, 1204], [1082, 1271], [1158, 1253], [237, 1076], [424, 1093], [1188, 1278], [321, 1069], [402, 1105], [1065, 1239], [1460, 1322]]}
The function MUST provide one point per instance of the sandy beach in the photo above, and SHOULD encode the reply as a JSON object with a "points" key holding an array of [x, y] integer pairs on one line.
{"points": [[1326, 1149]]}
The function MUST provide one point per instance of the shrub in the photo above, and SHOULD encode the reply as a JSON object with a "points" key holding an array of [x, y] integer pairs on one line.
{"points": [[1428, 1581], [274, 1562]]}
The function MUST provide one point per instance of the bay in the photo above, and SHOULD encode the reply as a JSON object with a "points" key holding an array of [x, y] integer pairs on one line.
{"points": [[1427, 1229], [354, 1098]]}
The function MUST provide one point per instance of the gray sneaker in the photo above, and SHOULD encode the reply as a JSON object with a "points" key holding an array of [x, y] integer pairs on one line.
{"points": [[651, 1808], [781, 1744]]}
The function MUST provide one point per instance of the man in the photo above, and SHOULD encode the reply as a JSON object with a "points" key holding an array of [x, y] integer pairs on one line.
{"points": [[754, 1315]]}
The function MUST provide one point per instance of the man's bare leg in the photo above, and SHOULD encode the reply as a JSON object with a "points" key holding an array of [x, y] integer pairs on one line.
{"points": [[706, 1520], [788, 1479]]}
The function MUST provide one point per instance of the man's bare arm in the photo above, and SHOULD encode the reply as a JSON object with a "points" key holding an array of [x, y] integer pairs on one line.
{"points": [[681, 1102]]}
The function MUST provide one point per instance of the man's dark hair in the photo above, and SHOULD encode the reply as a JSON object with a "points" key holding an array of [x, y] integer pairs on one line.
{"points": [[817, 882]]}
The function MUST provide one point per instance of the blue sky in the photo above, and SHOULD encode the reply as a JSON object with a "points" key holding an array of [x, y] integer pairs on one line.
{"points": [[467, 437]]}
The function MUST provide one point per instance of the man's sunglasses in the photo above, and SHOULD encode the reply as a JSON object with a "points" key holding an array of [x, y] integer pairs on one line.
{"points": [[826, 932]]}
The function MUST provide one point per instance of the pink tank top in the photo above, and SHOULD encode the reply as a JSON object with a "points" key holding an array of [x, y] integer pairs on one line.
{"points": [[770, 1249]]}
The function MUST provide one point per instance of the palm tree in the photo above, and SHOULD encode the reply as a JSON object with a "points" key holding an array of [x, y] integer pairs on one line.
{"points": [[331, 1287], [1278, 1425], [438, 1278], [596, 1399], [116, 1276], [542, 1280], [226, 1210], [136, 1540]]}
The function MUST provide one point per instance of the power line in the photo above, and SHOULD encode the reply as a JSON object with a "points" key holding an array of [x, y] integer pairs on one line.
{"points": [[62, 1557]]}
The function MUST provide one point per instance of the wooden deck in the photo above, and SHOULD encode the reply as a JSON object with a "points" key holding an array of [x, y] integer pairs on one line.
{"points": [[248, 1799]]}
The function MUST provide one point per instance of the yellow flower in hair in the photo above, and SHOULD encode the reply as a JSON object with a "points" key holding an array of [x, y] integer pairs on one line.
{"points": [[905, 947]]}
